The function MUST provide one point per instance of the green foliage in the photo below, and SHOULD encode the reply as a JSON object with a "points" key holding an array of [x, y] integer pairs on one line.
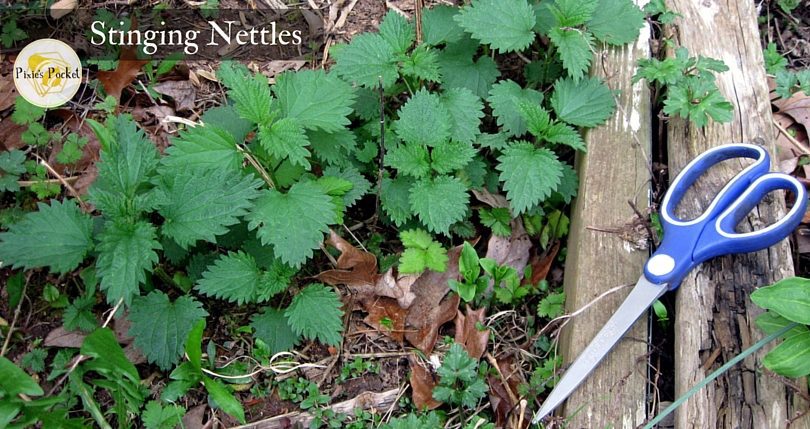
{"points": [[689, 87], [271, 327], [585, 103], [421, 253], [774, 61], [498, 219], [506, 97], [787, 302], [203, 146], [71, 149], [34, 360], [316, 100], [26, 113], [11, 33], [530, 175], [79, 314], [126, 253], [156, 416], [460, 383], [428, 420], [473, 285], [315, 314], [439, 202], [423, 120], [788, 5], [33, 242], [506, 25], [11, 167], [553, 305], [368, 61], [160, 326], [790, 82], [659, 10], [357, 368], [237, 277]]}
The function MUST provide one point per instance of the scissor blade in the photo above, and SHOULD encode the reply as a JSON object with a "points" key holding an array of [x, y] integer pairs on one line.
{"points": [[637, 302]]}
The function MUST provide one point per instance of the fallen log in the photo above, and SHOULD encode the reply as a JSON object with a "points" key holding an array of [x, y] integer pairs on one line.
{"points": [[714, 315]]}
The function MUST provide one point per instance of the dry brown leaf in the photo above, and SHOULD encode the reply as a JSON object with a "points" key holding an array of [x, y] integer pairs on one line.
{"points": [[541, 264], [490, 199], [11, 134], [422, 384], [194, 417], [115, 81], [797, 107], [386, 308], [467, 333], [430, 308], [358, 270], [512, 250], [501, 400], [181, 91], [8, 93], [60, 337]]}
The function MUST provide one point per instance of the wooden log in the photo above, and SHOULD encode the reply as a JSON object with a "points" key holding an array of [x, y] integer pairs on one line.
{"points": [[614, 172], [714, 315]]}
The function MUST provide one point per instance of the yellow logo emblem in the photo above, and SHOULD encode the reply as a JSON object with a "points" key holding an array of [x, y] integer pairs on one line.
{"points": [[47, 73]]}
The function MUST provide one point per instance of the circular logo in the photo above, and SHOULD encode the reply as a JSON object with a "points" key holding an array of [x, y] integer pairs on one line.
{"points": [[47, 73]]}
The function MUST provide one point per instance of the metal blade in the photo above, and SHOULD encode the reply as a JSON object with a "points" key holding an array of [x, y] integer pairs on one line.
{"points": [[637, 302]]}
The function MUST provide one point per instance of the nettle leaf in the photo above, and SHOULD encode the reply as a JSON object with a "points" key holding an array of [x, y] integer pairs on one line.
{"points": [[202, 203], [410, 159], [451, 156], [225, 117], [395, 198], [423, 120], [506, 25], [584, 103], [160, 327], [459, 69], [293, 222], [204, 146], [315, 314], [422, 63], [57, 236], [397, 31], [237, 278], [333, 148], [439, 202], [544, 128], [421, 252], [127, 163], [438, 25], [318, 101], [505, 98], [616, 22], [360, 185], [156, 416], [466, 111], [572, 13], [285, 138], [250, 92], [365, 60], [530, 175], [569, 184], [271, 327], [126, 251], [575, 49], [79, 314]]}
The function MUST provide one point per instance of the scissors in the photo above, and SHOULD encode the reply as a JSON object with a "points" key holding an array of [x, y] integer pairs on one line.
{"points": [[688, 243]]}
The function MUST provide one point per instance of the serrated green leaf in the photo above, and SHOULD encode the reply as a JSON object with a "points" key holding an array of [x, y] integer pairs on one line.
{"points": [[26, 113], [333, 148], [156, 416], [466, 111], [226, 118], [698, 100], [552, 305], [438, 25], [421, 253], [315, 314], [569, 184], [395, 198], [410, 159], [506, 25], [202, 203], [293, 223], [616, 22], [505, 97], [57, 236], [160, 327], [397, 31], [439, 202], [271, 327], [79, 314], [11, 167], [460, 70], [584, 103], [126, 251], [498, 219], [204, 146], [367, 59], [237, 278], [422, 63], [316, 100], [575, 49], [250, 92], [286, 138], [451, 156], [572, 13], [774, 61], [530, 175], [360, 185], [541, 125], [423, 120]]}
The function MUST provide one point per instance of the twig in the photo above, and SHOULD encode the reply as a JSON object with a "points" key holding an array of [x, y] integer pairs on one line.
{"points": [[14, 318], [255, 163], [802, 148], [417, 18], [27, 183], [381, 157], [64, 182]]}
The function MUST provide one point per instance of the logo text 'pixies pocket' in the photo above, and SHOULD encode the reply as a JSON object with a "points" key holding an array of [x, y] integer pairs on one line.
{"points": [[47, 73]]}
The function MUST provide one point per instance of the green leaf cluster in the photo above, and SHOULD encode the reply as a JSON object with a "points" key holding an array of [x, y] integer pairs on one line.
{"points": [[788, 303], [460, 383]]}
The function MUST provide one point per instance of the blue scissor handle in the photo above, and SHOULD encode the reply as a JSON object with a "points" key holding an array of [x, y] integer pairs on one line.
{"points": [[689, 243]]}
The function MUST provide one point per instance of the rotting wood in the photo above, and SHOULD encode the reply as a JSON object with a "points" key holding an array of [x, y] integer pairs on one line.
{"points": [[614, 171], [713, 308], [381, 402]]}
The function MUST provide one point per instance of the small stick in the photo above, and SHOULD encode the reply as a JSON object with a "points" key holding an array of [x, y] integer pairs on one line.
{"points": [[802, 148], [64, 182], [381, 157], [14, 318], [417, 17]]}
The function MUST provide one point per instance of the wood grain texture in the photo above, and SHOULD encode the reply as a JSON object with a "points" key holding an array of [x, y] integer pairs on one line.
{"points": [[614, 171], [714, 315]]}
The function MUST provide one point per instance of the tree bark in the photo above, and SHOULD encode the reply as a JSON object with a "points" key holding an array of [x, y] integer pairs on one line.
{"points": [[714, 315]]}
